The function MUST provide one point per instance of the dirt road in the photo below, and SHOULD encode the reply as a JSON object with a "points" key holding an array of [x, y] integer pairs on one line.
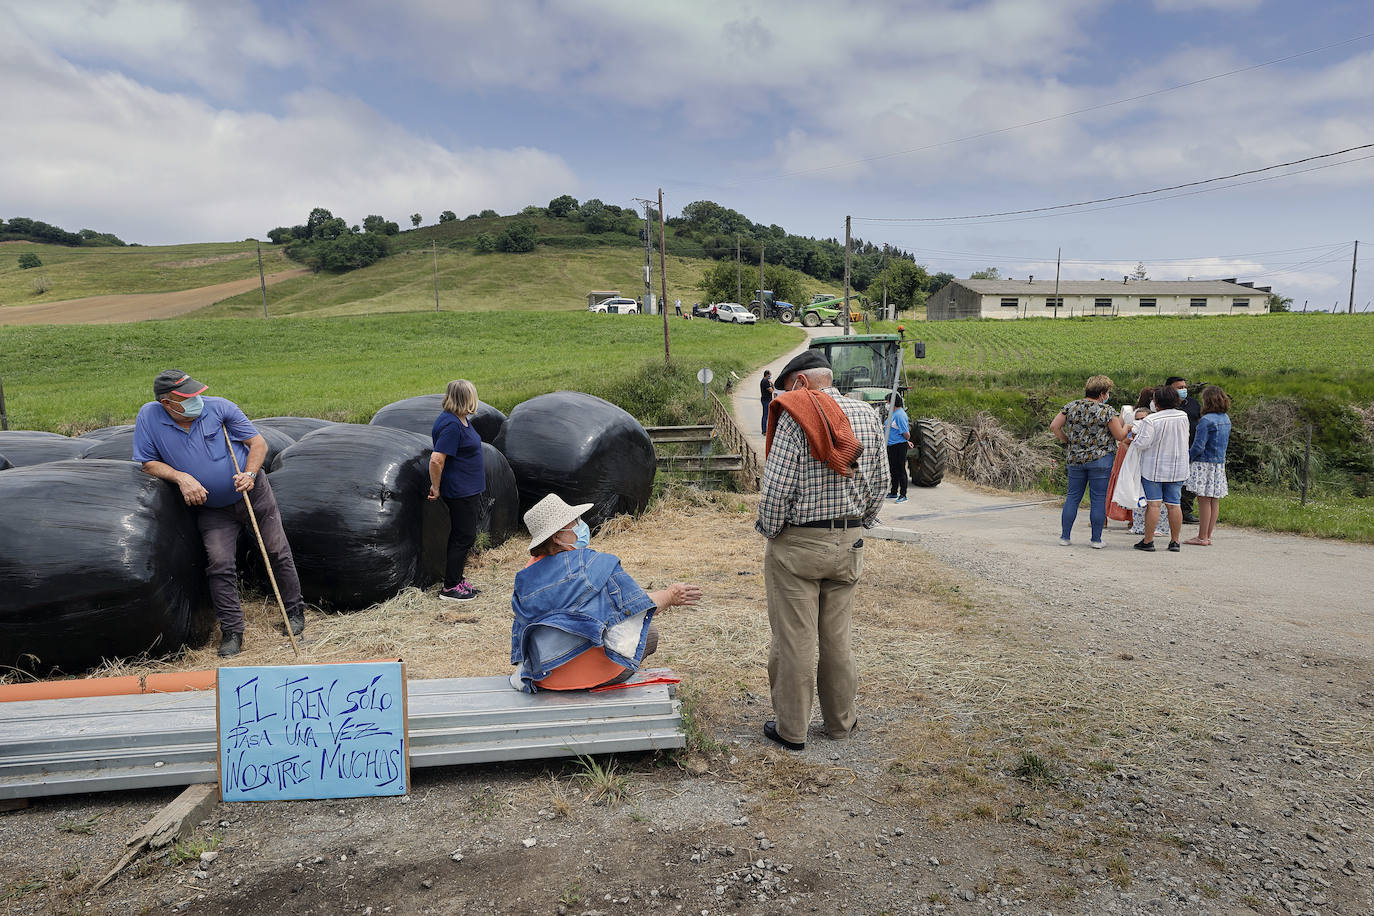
{"points": [[135, 306]]}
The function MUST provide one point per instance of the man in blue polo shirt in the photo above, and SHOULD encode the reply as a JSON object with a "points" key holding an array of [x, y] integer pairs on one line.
{"points": [[179, 438]]}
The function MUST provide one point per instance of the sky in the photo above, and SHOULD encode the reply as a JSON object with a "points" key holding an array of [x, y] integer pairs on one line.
{"points": [[167, 121]]}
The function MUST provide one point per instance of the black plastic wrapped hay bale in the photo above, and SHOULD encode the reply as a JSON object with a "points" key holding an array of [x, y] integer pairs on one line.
{"points": [[295, 427], [119, 445], [25, 447], [97, 560], [351, 501], [498, 520], [105, 432], [4, 463], [418, 414], [585, 449]]}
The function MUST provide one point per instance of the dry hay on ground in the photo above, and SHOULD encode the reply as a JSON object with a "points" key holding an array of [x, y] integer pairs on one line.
{"points": [[987, 454], [201, 262], [932, 648]]}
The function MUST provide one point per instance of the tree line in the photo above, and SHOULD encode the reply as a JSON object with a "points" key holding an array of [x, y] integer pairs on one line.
{"points": [[21, 228]]}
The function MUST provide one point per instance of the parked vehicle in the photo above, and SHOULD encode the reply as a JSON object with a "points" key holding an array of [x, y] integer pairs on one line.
{"points": [[734, 312], [701, 310], [615, 306], [765, 306]]}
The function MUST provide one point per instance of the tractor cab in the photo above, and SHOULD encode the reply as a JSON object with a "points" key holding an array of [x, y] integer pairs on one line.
{"points": [[867, 367]]}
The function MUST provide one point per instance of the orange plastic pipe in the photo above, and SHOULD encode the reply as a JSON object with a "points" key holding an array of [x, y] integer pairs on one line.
{"points": [[167, 682], [170, 682]]}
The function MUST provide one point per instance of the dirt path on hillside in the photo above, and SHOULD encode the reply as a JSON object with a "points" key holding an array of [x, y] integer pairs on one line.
{"points": [[135, 306]]}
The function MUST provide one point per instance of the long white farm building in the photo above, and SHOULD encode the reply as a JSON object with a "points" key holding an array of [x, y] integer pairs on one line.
{"points": [[1040, 299]]}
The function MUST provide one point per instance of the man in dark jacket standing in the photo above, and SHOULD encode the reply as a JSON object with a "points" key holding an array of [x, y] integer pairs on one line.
{"points": [[1191, 407], [766, 397]]}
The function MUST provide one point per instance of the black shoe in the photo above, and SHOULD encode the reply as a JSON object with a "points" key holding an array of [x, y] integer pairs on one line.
{"points": [[770, 731], [1145, 545], [1173, 547], [297, 621], [230, 645], [1190, 519]]}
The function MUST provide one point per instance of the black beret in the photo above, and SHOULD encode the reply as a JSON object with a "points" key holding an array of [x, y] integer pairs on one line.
{"points": [[807, 359]]}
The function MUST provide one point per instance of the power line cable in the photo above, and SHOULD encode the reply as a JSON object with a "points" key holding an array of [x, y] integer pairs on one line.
{"points": [[952, 254], [1051, 118], [1101, 200]]}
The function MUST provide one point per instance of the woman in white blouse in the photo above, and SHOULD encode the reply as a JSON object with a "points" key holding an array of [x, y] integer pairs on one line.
{"points": [[1162, 442]]}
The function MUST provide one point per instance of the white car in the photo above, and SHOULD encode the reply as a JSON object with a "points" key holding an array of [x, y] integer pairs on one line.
{"points": [[733, 311], [615, 306]]}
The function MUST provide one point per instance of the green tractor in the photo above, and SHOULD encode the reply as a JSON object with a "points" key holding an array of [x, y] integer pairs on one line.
{"points": [[868, 368], [822, 309]]}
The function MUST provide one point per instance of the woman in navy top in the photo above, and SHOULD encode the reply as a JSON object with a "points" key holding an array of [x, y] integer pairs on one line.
{"points": [[456, 474]]}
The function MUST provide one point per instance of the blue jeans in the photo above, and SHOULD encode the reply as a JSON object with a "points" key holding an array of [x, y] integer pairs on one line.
{"points": [[1093, 477]]}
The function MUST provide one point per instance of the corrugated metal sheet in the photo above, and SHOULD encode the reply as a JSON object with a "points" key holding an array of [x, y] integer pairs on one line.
{"points": [[94, 744]]}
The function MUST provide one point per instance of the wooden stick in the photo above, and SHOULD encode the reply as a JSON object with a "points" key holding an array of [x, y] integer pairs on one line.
{"points": [[267, 560]]}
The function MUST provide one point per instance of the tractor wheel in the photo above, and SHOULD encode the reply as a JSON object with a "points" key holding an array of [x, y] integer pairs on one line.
{"points": [[811, 319], [756, 311], [786, 316], [926, 462]]}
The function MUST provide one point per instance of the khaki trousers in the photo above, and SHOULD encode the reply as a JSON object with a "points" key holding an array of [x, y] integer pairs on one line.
{"points": [[810, 574]]}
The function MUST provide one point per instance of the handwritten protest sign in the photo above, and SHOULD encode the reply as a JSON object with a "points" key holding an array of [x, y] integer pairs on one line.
{"points": [[312, 731]]}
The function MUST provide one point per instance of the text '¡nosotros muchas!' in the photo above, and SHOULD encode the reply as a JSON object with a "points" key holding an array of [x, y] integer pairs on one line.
{"points": [[311, 731]]}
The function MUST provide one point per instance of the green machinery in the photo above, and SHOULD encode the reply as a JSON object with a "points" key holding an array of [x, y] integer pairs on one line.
{"points": [[868, 367]]}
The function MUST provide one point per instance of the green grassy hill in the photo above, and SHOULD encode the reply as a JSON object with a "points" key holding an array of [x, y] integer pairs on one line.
{"points": [[546, 279], [74, 273]]}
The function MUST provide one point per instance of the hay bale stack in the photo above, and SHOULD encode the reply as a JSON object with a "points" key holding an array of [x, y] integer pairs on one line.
{"points": [[585, 449], [23, 447], [352, 499], [97, 560], [418, 414]]}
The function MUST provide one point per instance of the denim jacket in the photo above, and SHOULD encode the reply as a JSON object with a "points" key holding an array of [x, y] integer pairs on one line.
{"points": [[1213, 435], [570, 602]]}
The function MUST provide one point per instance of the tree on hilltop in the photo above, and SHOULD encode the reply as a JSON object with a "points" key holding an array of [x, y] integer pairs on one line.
{"points": [[415, 220], [562, 205], [447, 216], [987, 273]]}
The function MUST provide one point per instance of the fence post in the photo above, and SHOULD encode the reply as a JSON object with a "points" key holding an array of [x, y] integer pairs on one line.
{"points": [[1306, 464], [4, 417]]}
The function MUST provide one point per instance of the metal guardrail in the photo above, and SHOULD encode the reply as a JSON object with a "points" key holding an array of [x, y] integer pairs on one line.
{"points": [[92, 744], [735, 440]]}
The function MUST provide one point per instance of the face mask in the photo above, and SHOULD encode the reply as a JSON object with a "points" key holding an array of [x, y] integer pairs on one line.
{"points": [[584, 535], [191, 407], [1182, 394], [1153, 408]]}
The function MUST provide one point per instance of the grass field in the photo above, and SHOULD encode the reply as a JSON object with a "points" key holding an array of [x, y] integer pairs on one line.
{"points": [[1024, 370], [547, 279], [74, 273], [72, 378]]}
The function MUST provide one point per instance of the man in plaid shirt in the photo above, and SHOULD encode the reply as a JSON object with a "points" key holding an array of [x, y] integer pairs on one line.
{"points": [[811, 512]]}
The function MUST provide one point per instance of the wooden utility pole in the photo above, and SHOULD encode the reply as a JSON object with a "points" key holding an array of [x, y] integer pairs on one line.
{"points": [[1350, 309], [885, 315], [762, 305], [262, 281], [846, 276], [434, 247], [663, 279], [1059, 254], [739, 277]]}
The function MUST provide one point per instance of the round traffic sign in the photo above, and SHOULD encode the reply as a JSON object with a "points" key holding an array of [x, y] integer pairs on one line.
{"points": [[705, 376]]}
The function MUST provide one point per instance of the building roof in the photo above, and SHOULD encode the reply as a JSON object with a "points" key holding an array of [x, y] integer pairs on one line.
{"points": [[1110, 288]]}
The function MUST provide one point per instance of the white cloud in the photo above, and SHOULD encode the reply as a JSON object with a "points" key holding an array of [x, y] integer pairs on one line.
{"points": [[100, 150], [210, 45]]}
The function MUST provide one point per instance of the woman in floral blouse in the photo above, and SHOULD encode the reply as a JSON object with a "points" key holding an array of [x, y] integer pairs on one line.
{"points": [[1091, 429]]}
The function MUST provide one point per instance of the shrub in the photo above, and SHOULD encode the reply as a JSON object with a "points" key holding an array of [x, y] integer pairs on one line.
{"points": [[447, 216], [518, 236], [28, 259], [486, 242]]}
